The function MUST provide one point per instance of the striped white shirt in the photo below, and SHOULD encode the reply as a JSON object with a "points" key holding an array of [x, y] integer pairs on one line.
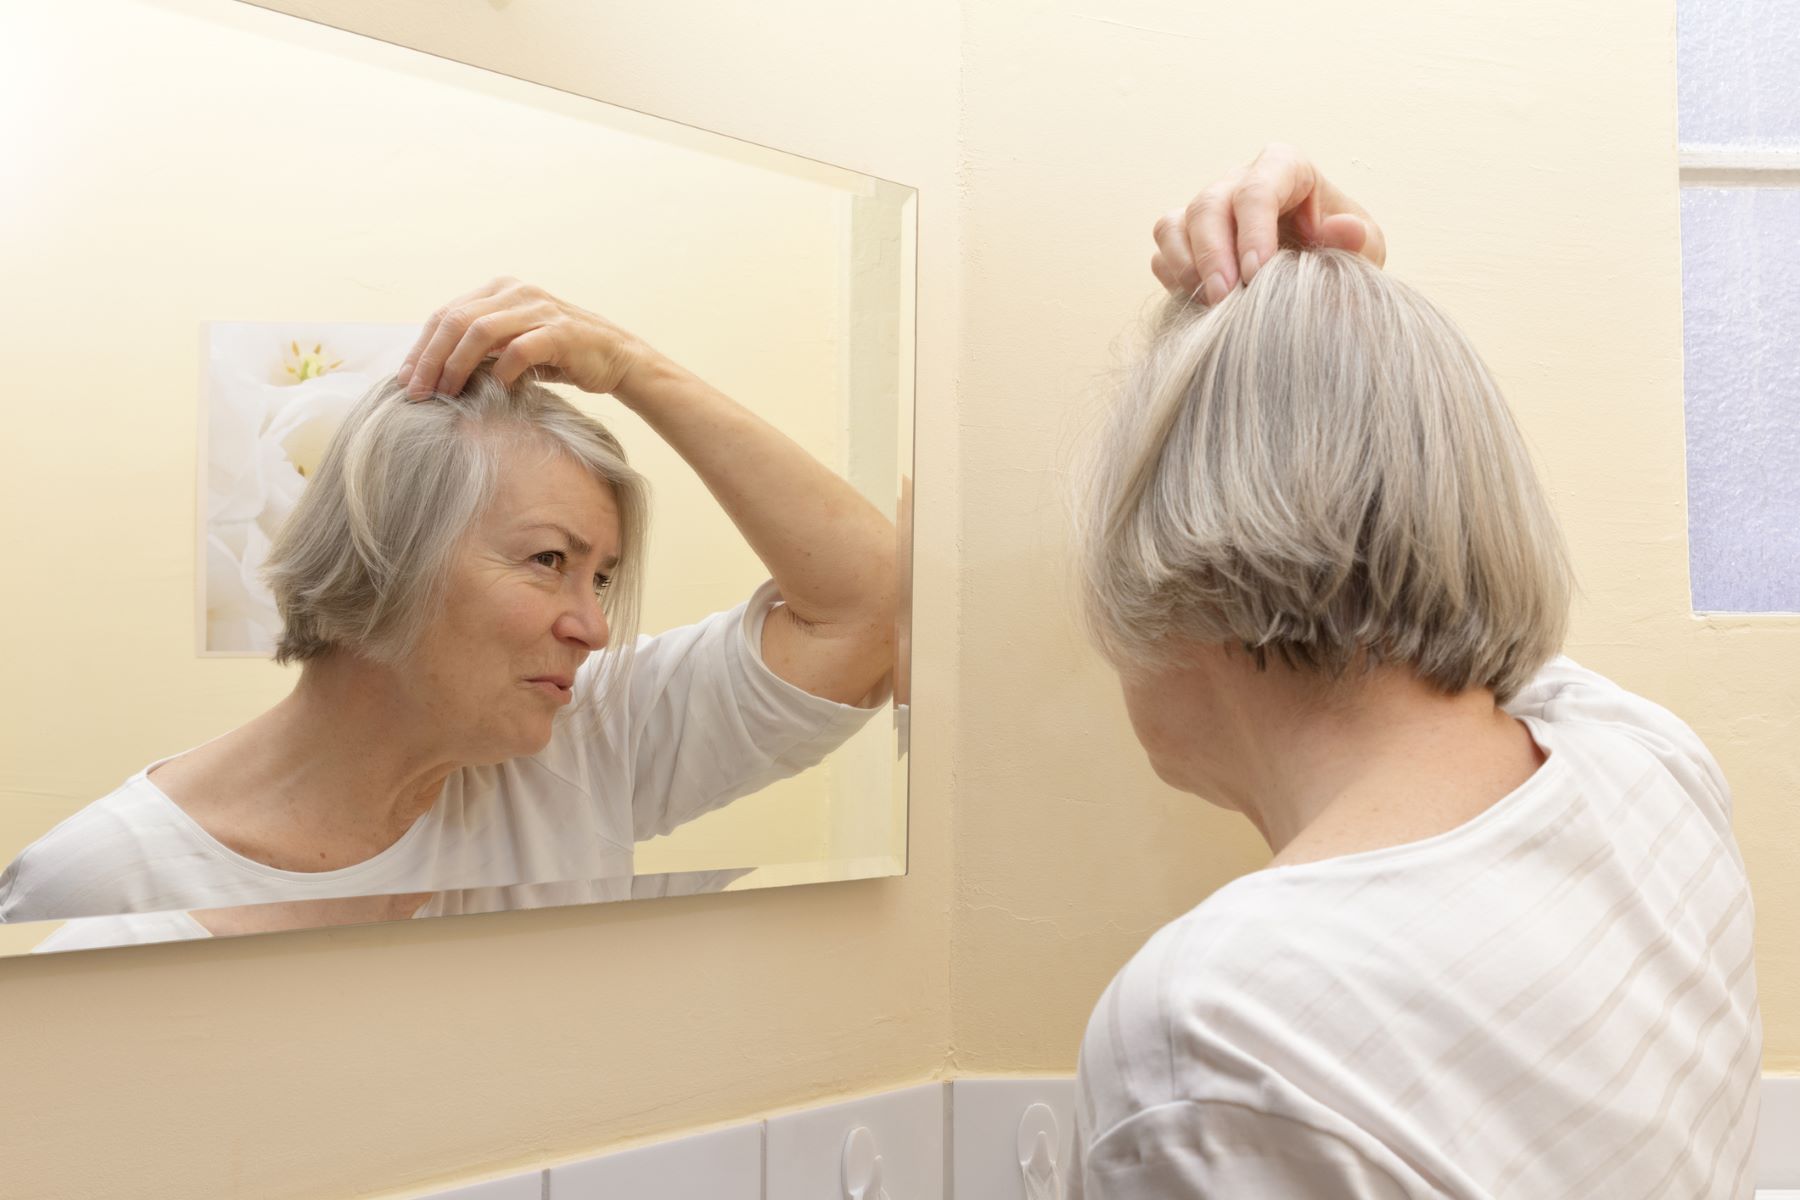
{"points": [[1555, 999]]}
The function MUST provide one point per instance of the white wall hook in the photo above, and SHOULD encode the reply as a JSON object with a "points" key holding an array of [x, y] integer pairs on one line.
{"points": [[861, 1171], [1037, 1154]]}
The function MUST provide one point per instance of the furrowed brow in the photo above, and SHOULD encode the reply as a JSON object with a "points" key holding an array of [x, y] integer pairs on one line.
{"points": [[578, 545]]}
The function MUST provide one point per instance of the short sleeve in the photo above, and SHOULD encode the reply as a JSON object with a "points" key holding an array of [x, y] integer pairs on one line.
{"points": [[1204, 1150], [1564, 691], [706, 721]]}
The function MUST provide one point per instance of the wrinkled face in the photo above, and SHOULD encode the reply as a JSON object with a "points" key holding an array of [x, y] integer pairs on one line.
{"points": [[521, 609]]}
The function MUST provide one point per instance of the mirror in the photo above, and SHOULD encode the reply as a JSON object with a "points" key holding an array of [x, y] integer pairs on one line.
{"points": [[224, 227]]}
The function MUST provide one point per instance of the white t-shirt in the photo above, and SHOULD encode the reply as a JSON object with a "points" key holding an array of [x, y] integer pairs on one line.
{"points": [[699, 722], [1555, 999]]}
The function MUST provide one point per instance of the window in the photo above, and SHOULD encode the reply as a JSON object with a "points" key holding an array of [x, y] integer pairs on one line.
{"points": [[1738, 71]]}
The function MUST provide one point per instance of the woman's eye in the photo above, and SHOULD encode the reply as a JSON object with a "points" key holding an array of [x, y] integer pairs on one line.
{"points": [[554, 557], [601, 583]]}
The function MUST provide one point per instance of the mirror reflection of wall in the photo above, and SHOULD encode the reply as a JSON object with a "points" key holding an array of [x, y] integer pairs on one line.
{"points": [[208, 189]]}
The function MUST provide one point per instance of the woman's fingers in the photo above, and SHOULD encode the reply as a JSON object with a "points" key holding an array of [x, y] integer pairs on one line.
{"points": [[1173, 262], [409, 366], [1211, 230], [537, 347], [1254, 206], [422, 369], [523, 329], [1235, 226], [1356, 232], [448, 327], [1342, 231], [1279, 185], [484, 336]]}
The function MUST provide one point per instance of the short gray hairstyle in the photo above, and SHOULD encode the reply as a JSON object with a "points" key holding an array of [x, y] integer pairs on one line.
{"points": [[1321, 467], [363, 561]]}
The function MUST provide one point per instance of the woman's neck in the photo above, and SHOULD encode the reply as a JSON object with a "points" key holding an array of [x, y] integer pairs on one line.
{"points": [[352, 728], [1386, 760], [332, 775], [1403, 771]]}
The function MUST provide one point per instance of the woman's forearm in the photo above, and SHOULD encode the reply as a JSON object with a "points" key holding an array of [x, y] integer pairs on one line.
{"points": [[830, 551]]}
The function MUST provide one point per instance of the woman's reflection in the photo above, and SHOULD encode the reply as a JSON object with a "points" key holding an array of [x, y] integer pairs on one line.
{"points": [[459, 584]]}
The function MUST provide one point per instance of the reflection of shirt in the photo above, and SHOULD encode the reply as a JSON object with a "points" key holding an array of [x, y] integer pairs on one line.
{"points": [[699, 721], [1555, 999], [89, 933]]}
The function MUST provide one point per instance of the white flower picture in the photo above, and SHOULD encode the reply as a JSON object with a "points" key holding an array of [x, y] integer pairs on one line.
{"points": [[276, 393]]}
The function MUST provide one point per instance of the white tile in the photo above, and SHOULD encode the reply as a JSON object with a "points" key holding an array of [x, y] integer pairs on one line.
{"points": [[806, 1149], [984, 1142], [724, 1164], [529, 1186], [1778, 1133]]}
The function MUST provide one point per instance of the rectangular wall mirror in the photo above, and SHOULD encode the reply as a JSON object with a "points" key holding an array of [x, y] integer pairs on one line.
{"points": [[222, 227]]}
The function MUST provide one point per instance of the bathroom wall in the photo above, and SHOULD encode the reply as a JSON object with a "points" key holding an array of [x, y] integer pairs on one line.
{"points": [[1522, 161], [378, 1059]]}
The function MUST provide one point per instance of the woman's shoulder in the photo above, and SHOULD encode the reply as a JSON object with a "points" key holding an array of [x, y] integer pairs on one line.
{"points": [[88, 855], [1238, 973], [1213, 951], [129, 810], [1605, 729], [1178, 1010]]}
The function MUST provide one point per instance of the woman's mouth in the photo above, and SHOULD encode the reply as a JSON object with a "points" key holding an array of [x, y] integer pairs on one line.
{"points": [[558, 687]]}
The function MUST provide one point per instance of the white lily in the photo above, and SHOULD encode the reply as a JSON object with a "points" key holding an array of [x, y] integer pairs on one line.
{"points": [[277, 395]]}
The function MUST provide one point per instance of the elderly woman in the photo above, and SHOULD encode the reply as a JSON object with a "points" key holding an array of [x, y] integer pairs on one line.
{"points": [[474, 711], [1504, 947]]}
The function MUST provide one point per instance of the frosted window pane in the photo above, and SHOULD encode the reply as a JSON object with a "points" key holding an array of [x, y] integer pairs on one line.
{"points": [[1738, 73], [1740, 259]]}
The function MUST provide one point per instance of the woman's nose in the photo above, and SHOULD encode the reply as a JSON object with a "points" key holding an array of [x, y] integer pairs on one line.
{"points": [[584, 623]]}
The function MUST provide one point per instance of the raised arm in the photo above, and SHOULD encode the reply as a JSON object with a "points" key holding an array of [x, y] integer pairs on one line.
{"points": [[831, 552]]}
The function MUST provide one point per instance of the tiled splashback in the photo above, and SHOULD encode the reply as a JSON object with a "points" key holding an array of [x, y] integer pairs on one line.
{"points": [[935, 1141], [938, 1141]]}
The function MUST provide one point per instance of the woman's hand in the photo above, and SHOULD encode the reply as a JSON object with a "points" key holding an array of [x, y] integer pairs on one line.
{"points": [[1233, 227], [523, 327]]}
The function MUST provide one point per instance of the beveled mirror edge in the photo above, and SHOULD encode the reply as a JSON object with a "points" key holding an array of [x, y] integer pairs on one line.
{"points": [[84, 934]]}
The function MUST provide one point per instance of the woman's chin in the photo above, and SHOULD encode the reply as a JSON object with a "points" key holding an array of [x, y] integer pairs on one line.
{"points": [[523, 740], [531, 743]]}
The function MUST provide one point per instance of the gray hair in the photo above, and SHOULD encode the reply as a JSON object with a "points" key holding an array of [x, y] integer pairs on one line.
{"points": [[363, 561], [1321, 467]]}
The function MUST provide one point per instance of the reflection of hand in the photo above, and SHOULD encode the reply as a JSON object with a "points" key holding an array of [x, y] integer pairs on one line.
{"points": [[1233, 227], [523, 327]]}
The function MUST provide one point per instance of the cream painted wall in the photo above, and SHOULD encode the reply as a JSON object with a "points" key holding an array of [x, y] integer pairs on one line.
{"points": [[1523, 163], [1522, 160]]}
